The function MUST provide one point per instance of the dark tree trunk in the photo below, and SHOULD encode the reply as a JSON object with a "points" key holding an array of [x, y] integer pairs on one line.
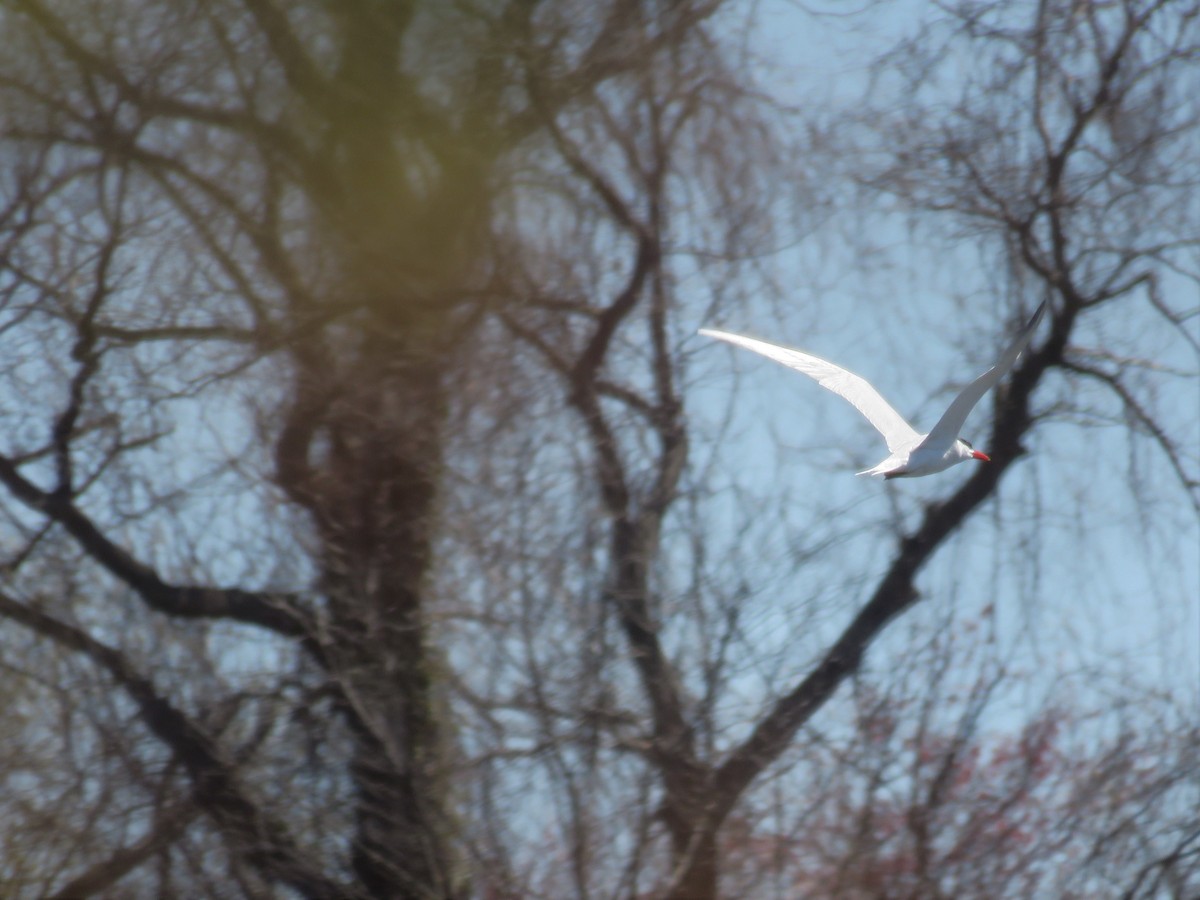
{"points": [[360, 453]]}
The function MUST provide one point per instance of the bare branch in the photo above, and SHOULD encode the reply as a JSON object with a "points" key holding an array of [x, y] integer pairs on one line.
{"points": [[1145, 419], [169, 825], [280, 613], [217, 790]]}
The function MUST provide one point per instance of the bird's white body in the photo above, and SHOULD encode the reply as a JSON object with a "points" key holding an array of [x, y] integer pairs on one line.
{"points": [[912, 454], [919, 458]]}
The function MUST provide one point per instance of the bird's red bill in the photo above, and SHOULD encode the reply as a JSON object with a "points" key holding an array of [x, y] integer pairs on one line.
{"points": [[975, 454]]}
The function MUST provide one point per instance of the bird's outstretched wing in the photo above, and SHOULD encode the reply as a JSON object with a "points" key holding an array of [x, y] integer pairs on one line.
{"points": [[952, 420], [846, 385]]}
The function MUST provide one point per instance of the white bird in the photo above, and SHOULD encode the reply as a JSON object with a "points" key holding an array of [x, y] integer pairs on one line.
{"points": [[912, 454]]}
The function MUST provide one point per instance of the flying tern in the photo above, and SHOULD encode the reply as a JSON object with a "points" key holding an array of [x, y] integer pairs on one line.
{"points": [[912, 454]]}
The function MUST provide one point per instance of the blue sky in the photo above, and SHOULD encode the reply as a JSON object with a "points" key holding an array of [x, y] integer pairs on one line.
{"points": [[1090, 552]]}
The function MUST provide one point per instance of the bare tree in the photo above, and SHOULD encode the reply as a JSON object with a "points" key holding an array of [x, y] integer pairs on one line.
{"points": [[351, 465], [917, 797], [313, 194]]}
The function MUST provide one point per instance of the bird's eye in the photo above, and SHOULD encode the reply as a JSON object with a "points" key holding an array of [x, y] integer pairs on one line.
{"points": [[968, 443]]}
